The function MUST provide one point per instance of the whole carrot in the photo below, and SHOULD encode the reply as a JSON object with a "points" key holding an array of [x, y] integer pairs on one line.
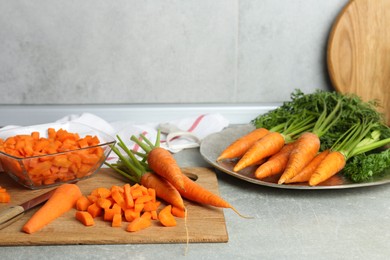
{"points": [[63, 199], [304, 175], [242, 144], [275, 164], [305, 149], [329, 166], [164, 189], [266, 146], [196, 193], [162, 162]]}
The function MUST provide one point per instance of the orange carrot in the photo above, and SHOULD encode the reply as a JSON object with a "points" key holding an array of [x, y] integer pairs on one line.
{"points": [[163, 188], [267, 146], [116, 220], [305, 149], [139, 224], [63, 199], [166, 218], [83, 203], [164, 164], [304, 175], [329, 166], [177, 212], [275, 164], [55, 167], [196, 193], [94, 210], [5, 197], [242, 144], [85, 218]]}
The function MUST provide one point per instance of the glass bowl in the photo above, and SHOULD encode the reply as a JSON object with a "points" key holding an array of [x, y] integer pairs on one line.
{"points": [[71, 161]]}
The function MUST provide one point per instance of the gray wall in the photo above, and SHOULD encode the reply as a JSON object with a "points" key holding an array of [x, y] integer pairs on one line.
{"points": [[191, 51]]}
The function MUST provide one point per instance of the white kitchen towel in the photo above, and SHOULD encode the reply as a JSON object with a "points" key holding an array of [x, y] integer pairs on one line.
{"points": [[186, 132]]}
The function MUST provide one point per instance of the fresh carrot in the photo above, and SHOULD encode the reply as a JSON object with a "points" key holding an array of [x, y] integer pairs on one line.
{"points": [[242, 144], [305, 149], [275, 140], [164, 164], [360, 138], [85, 218], [275, 164], [267, 146], [196, 193], [304, 175], [63, 199], [166, 218], [131, 168], [178, 212], [329, 166], [164, 189]]}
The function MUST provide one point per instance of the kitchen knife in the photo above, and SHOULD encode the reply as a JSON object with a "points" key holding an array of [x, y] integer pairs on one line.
{"points": [[13, 213]]}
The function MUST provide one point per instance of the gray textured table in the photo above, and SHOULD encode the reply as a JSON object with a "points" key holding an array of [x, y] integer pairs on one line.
{"points": [[287, 224]]}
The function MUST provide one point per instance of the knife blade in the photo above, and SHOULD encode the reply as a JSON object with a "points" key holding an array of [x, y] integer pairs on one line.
{"points": [[13, 213]]}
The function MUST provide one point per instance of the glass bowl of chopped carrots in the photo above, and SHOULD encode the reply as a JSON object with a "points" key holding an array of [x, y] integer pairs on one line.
{"points": [[48, 155]]}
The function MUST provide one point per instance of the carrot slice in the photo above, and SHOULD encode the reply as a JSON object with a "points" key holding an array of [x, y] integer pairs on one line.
{"points": [[85, 218]]}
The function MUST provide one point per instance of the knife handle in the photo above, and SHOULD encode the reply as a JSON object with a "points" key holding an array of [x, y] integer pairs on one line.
{"points": [[10, 215]]}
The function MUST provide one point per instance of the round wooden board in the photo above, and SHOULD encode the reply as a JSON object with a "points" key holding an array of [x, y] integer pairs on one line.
{"points": [[359, 52]]}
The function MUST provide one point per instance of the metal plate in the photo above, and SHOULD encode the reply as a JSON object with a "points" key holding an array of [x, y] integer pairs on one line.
{"points": [[214, 144]]}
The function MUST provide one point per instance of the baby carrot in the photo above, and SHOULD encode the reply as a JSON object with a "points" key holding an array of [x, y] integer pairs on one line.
{"points": [[242, 144], [305, 149], [329, 166], [306, 173], [63, 199], [266, 146], [275, 164]]}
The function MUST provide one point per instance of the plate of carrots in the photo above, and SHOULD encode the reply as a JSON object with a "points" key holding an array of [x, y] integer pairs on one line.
{"points": [[213, 145]]}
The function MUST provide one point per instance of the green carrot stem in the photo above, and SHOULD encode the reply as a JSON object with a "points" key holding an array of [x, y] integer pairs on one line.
{"points": [[144, 147], [127, 163], [369, 147], [147, 141], [124, 174], [129, 153]]}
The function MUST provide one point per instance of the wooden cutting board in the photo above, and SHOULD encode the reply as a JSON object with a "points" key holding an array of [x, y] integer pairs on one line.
{"points": [[359, 51], [204, 224]]}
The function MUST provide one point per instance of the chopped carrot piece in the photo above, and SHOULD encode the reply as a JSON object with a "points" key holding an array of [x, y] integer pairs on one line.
{"points": [[116, 220], [147, 215], [129, 202], [118, 198], [104, 203], [5, 197], [131, 214], [138, 224], [83, 203], [85, 218], [95, 210], [166, 218]]}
